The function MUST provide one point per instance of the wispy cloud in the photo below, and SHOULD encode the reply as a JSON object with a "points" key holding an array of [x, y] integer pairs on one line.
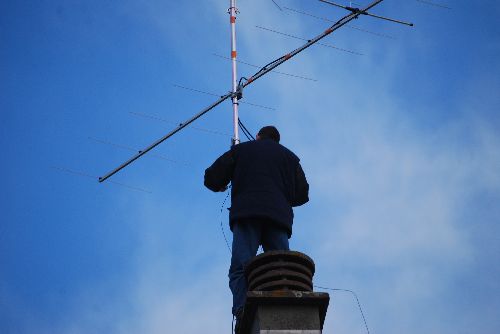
{"points": [[390, 197]]}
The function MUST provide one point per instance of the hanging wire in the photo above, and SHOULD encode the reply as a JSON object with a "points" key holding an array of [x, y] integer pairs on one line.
{"points": [[245, 130], [221, 225], [246, 135], [305, 39], [355, 296]]}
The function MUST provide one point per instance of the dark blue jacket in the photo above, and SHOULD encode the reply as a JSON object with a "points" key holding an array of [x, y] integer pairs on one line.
{"points": [[267, 180]]}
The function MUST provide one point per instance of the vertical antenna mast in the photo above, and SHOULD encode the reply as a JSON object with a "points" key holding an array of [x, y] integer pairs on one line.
{"points": [[232, 19]]}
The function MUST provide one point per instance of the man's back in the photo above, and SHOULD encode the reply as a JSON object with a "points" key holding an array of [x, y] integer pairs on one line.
{"points": [[267, 181], [263, 181]]}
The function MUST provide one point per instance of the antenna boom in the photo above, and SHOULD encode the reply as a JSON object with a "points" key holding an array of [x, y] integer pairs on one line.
{"points": [[162, 139]]}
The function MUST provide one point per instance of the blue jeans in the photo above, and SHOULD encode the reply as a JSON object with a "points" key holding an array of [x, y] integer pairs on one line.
{"points": [[248, 234]]}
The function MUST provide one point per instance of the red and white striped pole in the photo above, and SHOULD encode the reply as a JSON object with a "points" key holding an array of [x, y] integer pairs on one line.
{"points": [[232, 19]]}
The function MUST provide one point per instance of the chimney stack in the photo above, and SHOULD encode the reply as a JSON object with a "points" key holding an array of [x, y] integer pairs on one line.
{"points": [[280, 298]]}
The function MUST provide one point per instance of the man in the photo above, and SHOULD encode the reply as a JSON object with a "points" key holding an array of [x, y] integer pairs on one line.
{"points": [[267, 181]]}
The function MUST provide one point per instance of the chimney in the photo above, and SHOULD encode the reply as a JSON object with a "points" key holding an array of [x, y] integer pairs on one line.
{"points": [[280, 298]]}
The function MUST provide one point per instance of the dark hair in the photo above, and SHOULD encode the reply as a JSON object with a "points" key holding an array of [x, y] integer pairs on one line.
{"points": [[269, 132]]}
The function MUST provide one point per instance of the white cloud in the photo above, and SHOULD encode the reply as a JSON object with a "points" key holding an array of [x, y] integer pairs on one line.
{"points": [[389, 199]]}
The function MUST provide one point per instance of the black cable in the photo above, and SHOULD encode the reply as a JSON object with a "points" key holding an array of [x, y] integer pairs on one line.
{"points": [[241, 79], [265, 66], [247, 133], [248, 138], [244, 132], [221, 226], [242, 127], [355, 296]]}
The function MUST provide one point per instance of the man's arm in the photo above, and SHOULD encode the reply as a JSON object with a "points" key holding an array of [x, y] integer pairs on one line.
{"points": [[301, 187], [218, 175]]}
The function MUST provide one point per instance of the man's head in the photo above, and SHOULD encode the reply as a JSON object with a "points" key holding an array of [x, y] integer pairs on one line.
{"points": [[269, 132]]}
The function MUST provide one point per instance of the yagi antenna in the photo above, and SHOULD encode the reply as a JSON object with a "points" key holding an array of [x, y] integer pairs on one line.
{"points": [[348, 25], [364, 12], [238, 86]]}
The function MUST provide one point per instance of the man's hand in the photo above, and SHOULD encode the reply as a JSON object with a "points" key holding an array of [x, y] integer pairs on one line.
{"points": [[219, 174]]}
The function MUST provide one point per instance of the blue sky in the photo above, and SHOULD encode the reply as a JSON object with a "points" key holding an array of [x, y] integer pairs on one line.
{"points": [[401, 147]]}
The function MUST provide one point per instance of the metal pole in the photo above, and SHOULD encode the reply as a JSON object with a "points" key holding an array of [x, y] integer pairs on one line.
{"points": [[266, 69], [232, 20]]}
